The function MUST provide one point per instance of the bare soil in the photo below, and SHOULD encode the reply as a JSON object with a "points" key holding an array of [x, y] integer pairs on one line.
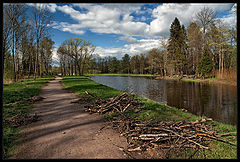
{"points": [[66, 131]]}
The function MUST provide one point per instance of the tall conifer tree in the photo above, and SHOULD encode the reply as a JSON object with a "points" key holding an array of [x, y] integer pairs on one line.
{"points": [[177, 47]]}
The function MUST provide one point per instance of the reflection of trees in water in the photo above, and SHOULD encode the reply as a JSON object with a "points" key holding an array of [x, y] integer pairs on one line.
{"points": [[228, 103], [191, 91], [173, 94], [157, 90], [217, 101], [203, 97]]}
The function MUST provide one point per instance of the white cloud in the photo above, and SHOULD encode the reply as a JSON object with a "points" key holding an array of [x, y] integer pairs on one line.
{"points": [[230, 19], [142, 46], [65, 26], [106, 18], [138, 47], [55, 57], [165, 14], [51, 7], [129, 39], [105, 52]]}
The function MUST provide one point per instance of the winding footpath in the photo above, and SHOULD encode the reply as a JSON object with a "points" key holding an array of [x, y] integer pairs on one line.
{"points": [[66, 131]]}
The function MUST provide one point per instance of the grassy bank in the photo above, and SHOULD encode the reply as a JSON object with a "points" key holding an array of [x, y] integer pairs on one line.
{"points": [[154, 111], [16, 91], [212, 81]]}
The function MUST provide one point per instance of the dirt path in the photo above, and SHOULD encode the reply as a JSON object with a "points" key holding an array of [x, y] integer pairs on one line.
{"points": [[65, 131]]}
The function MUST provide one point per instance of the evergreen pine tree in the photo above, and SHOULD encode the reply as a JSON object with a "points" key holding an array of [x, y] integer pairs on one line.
{"points": [[205, 65], [177, 47]]}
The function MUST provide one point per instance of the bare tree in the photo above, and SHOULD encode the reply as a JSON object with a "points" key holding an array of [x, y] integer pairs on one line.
{"points": [[6, 33], [14, 13], [46, 46], [40, 20], [205, 17]]}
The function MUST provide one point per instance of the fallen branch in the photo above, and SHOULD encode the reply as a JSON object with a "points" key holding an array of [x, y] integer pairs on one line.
{"points": [[88, 93]]}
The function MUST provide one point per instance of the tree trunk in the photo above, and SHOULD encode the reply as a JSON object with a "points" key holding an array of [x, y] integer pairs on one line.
{"points": [[36, 62], [29, 67], [13, 55], [75, 68], [79, 70], [71, 68]]}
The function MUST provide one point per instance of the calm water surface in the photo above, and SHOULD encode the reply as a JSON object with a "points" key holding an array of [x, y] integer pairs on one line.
{"points": [[218, 101]]}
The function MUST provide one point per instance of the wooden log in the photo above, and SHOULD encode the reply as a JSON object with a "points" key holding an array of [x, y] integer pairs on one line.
{"points": [[135, 149], [126, 107], [201, 146], [154, 135], [217, 138], [88, 93], [112, 101]]}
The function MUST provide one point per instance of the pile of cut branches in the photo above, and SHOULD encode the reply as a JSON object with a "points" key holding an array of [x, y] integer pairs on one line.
{"points": [[31, 99], [170, 136], [120, 103], [21, 119]]}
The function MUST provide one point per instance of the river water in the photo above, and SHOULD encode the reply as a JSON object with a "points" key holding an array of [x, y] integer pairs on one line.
{"points": [[217, 101]]}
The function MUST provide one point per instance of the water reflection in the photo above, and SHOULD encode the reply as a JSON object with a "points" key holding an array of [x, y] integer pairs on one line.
{"points": [[217, 101]]}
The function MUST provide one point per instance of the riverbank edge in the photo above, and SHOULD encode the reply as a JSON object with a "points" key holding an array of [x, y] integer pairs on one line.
{"points": [[185, 79], [224, 150]]}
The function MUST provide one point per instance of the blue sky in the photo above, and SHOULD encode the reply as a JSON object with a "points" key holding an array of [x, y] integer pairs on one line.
{"points": [[116, 29]]}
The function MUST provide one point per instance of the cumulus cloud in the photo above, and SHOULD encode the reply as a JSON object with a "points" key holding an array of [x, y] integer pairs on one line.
{"points": [[141, 46], [165, 14], [129, 39], [65, 26], [51, 7], [55, 57], [105, 52], [230, 19], [107, 18]]}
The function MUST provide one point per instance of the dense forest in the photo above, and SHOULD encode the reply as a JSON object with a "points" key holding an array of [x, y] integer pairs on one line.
{"points": [[205, 48]]}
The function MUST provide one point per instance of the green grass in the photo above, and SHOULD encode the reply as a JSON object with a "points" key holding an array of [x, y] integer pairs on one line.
{"points": [[155, 111], [22, 89], [80, 84], [199, 80]]}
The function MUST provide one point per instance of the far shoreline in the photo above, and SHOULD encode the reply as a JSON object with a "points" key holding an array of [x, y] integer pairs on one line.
{"points": [[187, 79]]}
